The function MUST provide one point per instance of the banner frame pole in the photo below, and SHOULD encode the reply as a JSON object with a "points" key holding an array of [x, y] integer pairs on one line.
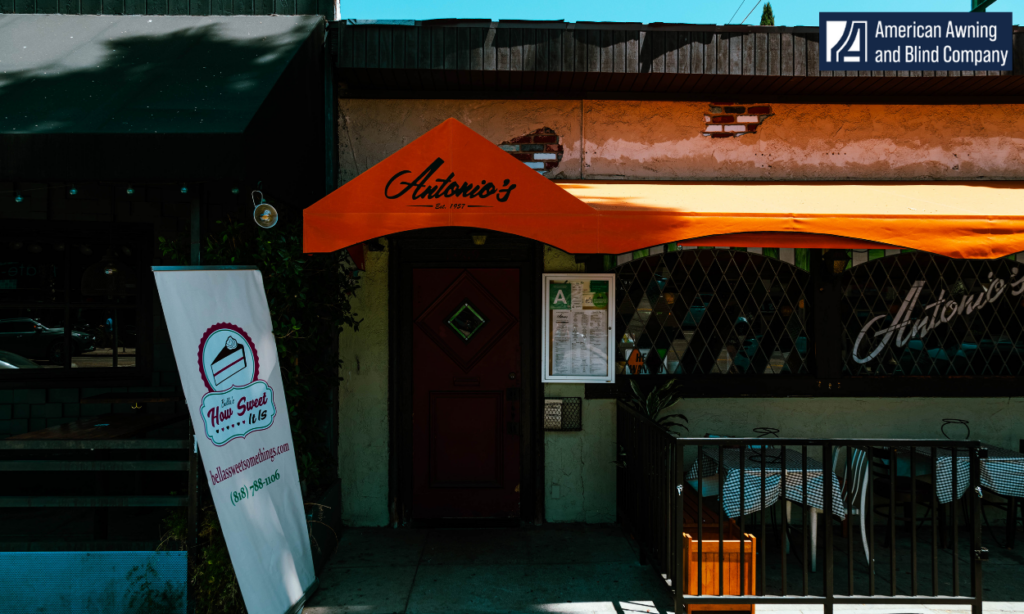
{"points": [[301, 603]]}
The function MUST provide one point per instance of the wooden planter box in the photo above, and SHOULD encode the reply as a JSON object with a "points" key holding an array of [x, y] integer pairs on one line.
{"points": [[733, 568], [730, 559]]}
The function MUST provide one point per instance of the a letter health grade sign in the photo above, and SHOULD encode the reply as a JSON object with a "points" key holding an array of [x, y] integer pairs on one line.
{"points": [[915, 41]]}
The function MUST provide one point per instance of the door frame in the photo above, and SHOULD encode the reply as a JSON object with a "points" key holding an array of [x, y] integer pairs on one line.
{"points": [[454, 248]]}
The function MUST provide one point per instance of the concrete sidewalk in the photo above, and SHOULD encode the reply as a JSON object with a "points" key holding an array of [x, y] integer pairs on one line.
{"points": [[554, 568]]}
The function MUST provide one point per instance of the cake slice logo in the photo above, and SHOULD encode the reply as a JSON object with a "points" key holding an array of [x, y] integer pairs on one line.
{"points": [[238, 402], [231, 361], [227, 357]]}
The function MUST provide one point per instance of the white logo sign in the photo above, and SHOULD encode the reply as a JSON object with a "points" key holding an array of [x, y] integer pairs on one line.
{"points": [[224, 346], [905, 327], [847, 41], [238, 402]]}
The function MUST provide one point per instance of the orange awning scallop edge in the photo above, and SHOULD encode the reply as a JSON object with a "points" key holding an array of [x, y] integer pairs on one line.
{"points": [[452, 176]]}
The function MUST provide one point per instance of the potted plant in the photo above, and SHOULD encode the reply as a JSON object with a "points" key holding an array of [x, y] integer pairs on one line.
{"points": [[654, 403]]}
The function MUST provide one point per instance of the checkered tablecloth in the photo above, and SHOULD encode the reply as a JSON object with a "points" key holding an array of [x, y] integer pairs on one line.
{"points": [[1002, 472], [791, 467]]}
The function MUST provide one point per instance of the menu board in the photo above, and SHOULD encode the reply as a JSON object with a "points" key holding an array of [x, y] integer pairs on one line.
{"points": [[577, 328]]}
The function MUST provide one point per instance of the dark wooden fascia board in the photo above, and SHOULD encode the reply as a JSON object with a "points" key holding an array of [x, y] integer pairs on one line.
{"points": [[675, 92], [629, 57]]}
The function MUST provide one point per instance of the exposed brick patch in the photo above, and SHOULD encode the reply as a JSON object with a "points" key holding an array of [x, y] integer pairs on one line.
{"points": [[541, 149], [726, 119]]}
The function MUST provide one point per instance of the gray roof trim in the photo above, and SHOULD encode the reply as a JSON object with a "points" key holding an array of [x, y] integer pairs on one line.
{"points": [[480, 59]]}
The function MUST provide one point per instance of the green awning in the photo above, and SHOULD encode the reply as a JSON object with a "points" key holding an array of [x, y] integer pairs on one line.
{"points": [[119, 97]]}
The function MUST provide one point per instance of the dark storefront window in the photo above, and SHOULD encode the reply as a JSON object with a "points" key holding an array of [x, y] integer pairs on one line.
{"points": [[919, 314], [70, 302], [712, 311]]}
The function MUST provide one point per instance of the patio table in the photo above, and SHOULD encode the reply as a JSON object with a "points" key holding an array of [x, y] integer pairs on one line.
{"points": [[1002, 472], [774, 469]]}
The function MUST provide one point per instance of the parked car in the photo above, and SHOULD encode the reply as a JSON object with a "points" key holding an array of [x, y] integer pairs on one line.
{"points": [[30, 338], [13, 361]]}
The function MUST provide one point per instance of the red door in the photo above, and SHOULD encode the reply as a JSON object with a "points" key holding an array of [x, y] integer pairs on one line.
{"points": [[466, 378]]}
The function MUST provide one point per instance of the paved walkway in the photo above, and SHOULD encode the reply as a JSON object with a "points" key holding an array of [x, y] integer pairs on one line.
{"points": [[555, 568]]}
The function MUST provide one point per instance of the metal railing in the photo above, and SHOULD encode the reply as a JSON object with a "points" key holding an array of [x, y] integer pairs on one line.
{"points": [[668, 498]]}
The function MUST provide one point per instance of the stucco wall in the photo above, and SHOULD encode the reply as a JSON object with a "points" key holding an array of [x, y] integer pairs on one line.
{"points": [[994, 421], [371, 130], [363, 436], [662, 140], [579, 470]]}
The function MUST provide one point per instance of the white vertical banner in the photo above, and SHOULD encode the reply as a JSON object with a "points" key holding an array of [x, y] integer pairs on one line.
{"points": [[223, 340]]}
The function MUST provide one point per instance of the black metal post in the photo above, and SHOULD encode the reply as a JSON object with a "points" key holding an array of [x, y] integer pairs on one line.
{"points": [[956, 531], [913, 521], [700, 518], [849, 520], [977, 590], [870, 520], [764, 532], [826, 455], [935, 523], [743, 526], [678, 583], [721, 521], [803, 515], [785, 520], [892, 521]]}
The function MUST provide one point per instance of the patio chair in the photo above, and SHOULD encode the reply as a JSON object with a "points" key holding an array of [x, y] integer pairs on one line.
{"points": [[854, 485], [1012, 506], [853, 493], [903, 486]]}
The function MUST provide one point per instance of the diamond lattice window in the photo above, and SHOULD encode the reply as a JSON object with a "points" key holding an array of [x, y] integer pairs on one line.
{"points": [[466, 321], [919, 314], [698, 312]]}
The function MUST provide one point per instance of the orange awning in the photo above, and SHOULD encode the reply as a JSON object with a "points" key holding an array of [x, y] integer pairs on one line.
{"points": [[451, 176]]}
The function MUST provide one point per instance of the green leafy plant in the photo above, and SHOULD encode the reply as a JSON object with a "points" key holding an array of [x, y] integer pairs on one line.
{"points": [[767, 17], [654, 402], [212, 580], [145, 592]]}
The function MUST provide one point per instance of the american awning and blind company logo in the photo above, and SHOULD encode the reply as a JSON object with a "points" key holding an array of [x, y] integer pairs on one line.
{"points": [[846, 41], [915, 41]]}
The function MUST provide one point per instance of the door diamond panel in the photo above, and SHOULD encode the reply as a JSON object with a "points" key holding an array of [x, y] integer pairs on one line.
{"points": [[466, 321]]}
